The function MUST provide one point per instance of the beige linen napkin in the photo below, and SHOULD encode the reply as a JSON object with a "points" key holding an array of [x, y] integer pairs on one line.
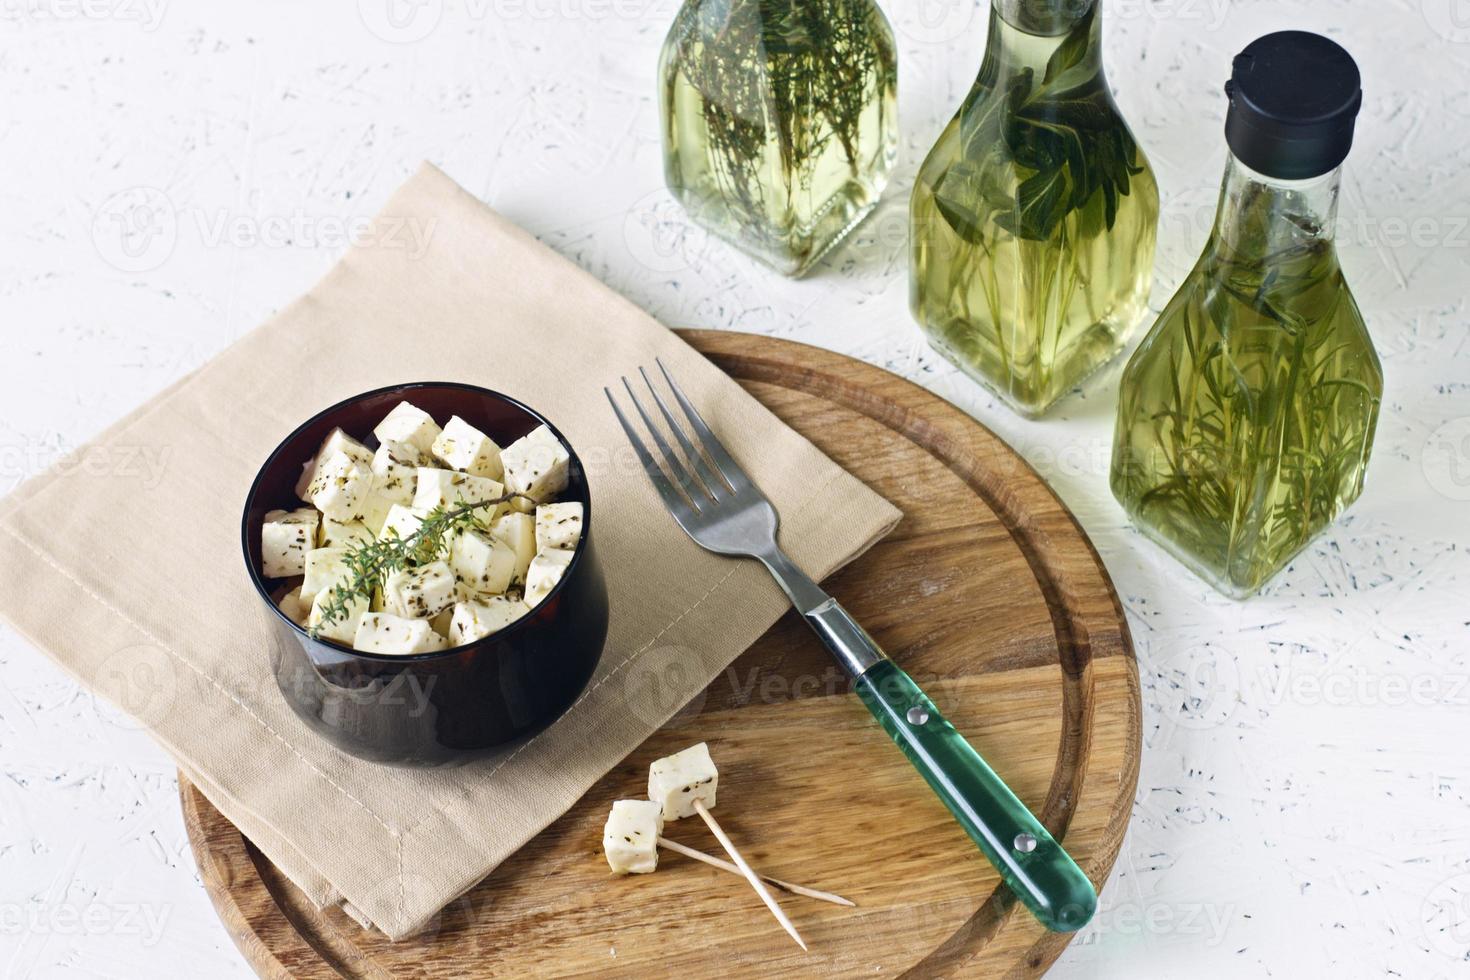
{"points": [[131, 575]]}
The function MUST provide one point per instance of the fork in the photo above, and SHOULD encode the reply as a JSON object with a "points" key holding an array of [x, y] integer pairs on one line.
{"points": [[723, 511]]}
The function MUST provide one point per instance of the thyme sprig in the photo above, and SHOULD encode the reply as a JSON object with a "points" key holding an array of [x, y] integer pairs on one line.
{"points": [[785, 77], [370, 563]]}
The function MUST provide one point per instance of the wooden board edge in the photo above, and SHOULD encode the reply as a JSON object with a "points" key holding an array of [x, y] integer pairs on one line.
{"points": [[222, 855]]}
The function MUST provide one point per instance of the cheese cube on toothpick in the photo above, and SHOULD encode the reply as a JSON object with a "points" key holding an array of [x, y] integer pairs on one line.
{"points": [[536, 465], [463, 447], [481, 564], [285, 538], [630, 836], [420, 593], [410, 425], [676, 781], [545, 571], [476, 620], [683, 784], [386, 633], [558, 526]]}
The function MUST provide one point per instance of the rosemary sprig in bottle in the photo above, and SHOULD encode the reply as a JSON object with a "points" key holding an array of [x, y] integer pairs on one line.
{"points": [[370, 563]]}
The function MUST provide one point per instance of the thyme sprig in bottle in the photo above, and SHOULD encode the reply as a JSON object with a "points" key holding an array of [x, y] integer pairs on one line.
{"points": [[1246, 416], [779, 121], [1034, 216]]}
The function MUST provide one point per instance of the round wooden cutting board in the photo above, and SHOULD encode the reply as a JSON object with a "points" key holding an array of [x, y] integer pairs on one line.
{"points": [[988, 593]]}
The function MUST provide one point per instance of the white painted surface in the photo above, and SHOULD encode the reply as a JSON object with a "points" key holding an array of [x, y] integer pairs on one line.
{"points": [[1304, 805]]}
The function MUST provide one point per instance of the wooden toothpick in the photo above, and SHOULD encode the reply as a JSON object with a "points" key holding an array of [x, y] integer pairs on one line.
{"points": [[715, 862], [750, 876]]}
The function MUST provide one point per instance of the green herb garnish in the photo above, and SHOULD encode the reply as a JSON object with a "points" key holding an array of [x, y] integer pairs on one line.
{"points": [[370, 563]]}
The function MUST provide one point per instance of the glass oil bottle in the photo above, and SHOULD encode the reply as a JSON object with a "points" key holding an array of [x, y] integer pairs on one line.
{"points": [[1246, 416], [1033, 218]]}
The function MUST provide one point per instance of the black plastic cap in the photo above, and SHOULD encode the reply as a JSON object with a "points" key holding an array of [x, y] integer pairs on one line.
{"points": [[1294, 97]]}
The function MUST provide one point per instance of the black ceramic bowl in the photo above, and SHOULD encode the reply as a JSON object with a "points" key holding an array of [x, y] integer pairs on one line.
{"points": [[456, 705]]}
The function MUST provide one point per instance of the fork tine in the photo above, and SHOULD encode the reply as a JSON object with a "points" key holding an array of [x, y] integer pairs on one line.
{"points": [[677, 469], [711, 480], [673, 499], [724, 463]]}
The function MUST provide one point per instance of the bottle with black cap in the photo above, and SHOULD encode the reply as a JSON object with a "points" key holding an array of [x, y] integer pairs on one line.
{"points": [[1033, 218], [1246, 416]]}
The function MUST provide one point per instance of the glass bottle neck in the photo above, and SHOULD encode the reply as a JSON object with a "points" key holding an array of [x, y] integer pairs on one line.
{"points": [[1025, 35], [1260, 216], [1044, 18]]}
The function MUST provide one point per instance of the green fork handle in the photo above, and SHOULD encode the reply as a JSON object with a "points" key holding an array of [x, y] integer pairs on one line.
{"points": [[1033, 865]]}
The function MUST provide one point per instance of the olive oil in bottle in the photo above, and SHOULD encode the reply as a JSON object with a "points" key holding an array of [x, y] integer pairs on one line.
{"points": [[779, 121], [1246, 416], [1033, 218]]}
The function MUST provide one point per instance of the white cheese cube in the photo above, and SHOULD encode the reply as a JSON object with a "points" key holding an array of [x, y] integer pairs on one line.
{"points": [[446, 488], [536, 465], [546, 570], [296, 611], [476, 620], [558, 526], [630, 836], [386, 633], [392, 478], [402, 522], [335, 534], [285, 538], [339, 487], [420, 593], [325, 567], [409, 425], [481, 564], [518, 531], [374, 510], [463, 447], [336, 442], [676, 781], [344, 629]]}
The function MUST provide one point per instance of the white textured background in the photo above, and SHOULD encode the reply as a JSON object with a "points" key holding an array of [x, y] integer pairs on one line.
{"points": [[1304, 805]]}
